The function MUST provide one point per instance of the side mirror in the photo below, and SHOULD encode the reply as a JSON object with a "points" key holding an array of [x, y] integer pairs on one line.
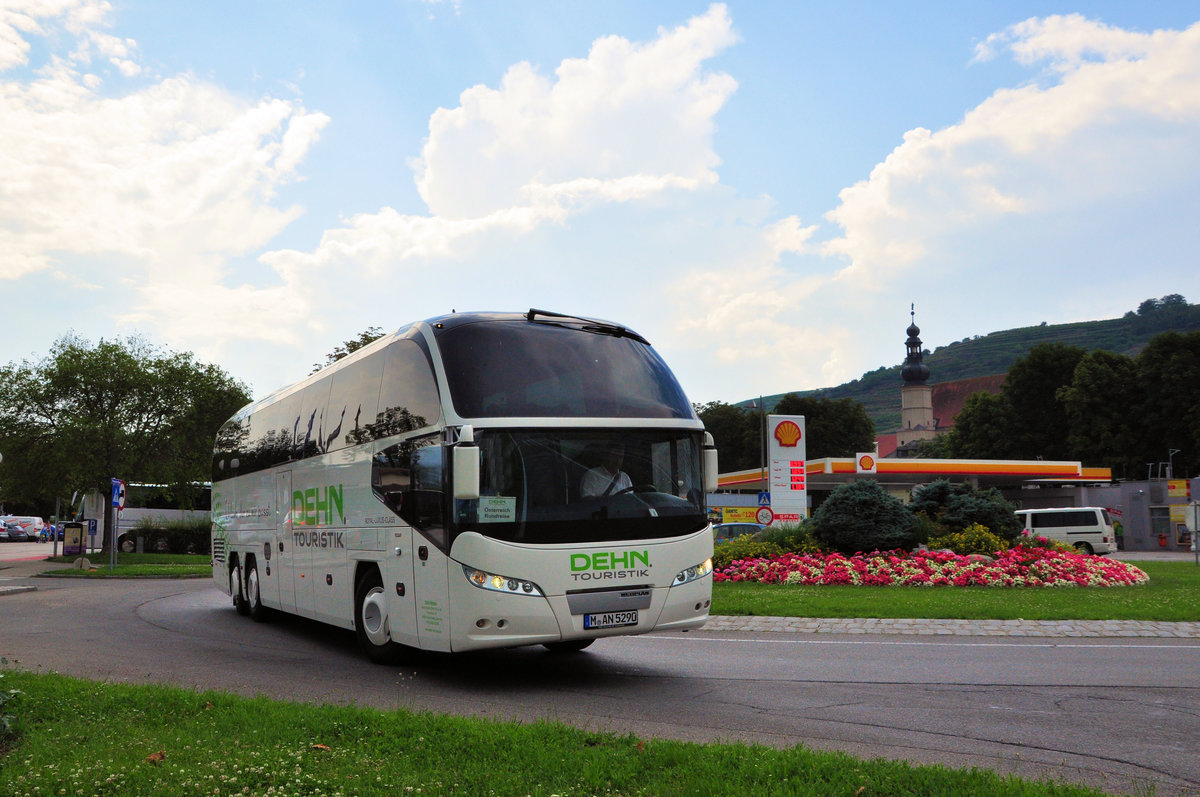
{"points": [[710, 464], [466, 465]]}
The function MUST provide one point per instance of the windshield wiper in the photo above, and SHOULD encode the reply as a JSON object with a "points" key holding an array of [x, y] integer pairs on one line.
{"points": [[589, 324]]}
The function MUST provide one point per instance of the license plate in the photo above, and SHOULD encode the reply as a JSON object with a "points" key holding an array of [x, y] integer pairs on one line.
{"points": [[610, 619]]}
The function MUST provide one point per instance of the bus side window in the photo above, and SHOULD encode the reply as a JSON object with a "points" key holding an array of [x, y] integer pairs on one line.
{"points": [[408, 478], [390, 475], [311, 429], [423, 501], [353, 402], [408, 397]]}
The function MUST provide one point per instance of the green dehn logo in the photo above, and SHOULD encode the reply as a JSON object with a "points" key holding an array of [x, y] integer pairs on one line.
{"points": [[606, 565], [318, 506]]}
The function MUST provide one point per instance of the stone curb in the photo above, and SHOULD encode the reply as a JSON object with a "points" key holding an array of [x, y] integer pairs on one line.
{"points": [[991, 628]]}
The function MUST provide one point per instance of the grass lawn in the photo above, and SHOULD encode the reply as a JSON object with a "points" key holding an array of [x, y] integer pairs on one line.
{"points": [[1173, 594], [77, 737], [134, 565]]}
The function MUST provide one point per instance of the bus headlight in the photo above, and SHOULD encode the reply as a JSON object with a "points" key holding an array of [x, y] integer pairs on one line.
{"points": [[692, 573], [504, 584]]}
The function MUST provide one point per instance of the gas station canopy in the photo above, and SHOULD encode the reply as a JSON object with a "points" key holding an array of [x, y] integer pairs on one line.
{"points": [[825, 474]]}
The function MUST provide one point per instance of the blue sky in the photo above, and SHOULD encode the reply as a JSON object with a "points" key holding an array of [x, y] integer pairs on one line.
{"points": [[760, 188]]}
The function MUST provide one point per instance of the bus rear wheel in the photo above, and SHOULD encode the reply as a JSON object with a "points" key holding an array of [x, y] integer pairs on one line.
{"points": [[239, 593], [258, 613], [371, 620]]}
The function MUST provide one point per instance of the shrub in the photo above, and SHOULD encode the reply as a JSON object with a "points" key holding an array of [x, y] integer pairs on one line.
{"points": [[862, 516], [973, 539], [791, 537], [958, 506], [174, 536], [743, 547], [1032, 541], [927, 529]]}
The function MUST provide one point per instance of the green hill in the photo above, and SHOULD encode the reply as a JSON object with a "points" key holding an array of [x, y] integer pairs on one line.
{"points": [[983, 355]]}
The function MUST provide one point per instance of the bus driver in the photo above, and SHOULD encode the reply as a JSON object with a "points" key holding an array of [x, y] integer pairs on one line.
{"points": [[607, 478]]}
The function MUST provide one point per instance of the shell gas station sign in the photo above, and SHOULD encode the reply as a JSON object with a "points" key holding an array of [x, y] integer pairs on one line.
{"points": [[787, 479]]}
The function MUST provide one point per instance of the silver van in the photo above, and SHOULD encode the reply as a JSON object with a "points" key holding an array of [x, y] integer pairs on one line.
{"points": [[1087, 528]]}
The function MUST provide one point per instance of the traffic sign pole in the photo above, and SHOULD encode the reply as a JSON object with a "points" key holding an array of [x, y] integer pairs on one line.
{"points": [[118, 503]]}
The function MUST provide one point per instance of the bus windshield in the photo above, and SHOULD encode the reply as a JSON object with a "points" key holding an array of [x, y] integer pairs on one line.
{"points": [[510, 368], [562, 486]]}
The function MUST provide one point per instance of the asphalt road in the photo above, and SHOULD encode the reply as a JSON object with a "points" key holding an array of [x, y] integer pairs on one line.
{"points": [[1118, 714]]}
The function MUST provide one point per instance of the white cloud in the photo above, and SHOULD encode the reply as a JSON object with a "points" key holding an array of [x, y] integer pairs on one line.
{"points": [[627, 110], [169, 177], [1117, 116], [174, 168], [629, 122]]}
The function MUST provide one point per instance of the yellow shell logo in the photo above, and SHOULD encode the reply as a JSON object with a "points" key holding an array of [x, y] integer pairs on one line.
{"points": [[866, 462], [787, 433]]}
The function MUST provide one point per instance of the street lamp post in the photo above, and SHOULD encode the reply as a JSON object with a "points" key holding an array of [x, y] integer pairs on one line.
{"points": [[762, 451]]}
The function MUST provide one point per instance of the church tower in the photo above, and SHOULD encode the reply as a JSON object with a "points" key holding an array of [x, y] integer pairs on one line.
{"points": [[916, 397]]}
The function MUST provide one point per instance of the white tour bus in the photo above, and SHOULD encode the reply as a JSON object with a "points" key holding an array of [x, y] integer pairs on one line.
{"points": [[1088, 528], [472, 481]]}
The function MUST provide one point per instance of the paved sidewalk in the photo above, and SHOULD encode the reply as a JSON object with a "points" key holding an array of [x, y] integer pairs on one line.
{"points": [[989, 628]]}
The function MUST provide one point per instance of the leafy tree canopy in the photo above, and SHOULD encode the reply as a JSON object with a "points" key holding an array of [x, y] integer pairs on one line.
{"points": [[368, 335], [123, 408], [1098, 407], [736, 433], [836, 428]]}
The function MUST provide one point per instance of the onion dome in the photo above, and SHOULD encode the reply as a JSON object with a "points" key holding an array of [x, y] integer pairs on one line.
{"points": [[914, 372]]}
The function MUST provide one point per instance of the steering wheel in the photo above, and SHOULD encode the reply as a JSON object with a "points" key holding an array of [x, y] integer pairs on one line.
{"points": [[641, 488]]}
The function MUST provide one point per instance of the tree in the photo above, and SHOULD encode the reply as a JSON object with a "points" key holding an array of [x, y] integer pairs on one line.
{"points": [[981, 428], [862, 516], [735, 433], [369, 335], [1103, 390], [1038, 419], [87, 413], [835, 427], [940, 447], [1168, 415]]}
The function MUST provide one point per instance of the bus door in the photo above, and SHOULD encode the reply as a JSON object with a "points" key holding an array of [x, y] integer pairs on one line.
{"points": [[398, 582], [432, 593], [282, 557]]}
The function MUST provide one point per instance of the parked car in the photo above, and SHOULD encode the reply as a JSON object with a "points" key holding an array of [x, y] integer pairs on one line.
{"points": [[15, 532], [727, 531]]}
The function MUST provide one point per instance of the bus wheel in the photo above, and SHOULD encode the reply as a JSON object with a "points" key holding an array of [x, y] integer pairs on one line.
{"points": [[371, 620], [257, 611], [1083, 548], [239, 593], [570, 646]]}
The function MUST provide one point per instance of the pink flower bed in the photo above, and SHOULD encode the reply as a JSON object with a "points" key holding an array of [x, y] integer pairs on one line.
{"points": [[1020, 566]]}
